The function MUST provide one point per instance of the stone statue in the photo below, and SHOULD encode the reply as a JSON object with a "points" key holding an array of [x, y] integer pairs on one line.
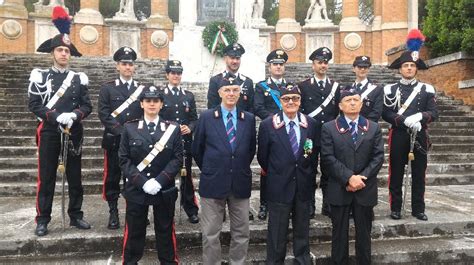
{"points": [[126, 9], [317, 11], [257, 9], [51, 3]]}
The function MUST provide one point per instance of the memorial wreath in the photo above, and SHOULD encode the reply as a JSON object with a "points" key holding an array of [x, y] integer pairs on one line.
{"points": [[217, 35]]}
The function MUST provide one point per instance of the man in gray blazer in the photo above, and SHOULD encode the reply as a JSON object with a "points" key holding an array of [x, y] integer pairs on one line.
{"points": [[351, 154]]}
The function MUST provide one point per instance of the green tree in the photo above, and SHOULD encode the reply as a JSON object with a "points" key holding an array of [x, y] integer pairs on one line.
{"points": [[448, 26]]}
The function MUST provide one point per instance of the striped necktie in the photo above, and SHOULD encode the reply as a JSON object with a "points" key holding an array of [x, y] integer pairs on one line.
{"points": [[230, 128], [293, 139], [353, 131]]}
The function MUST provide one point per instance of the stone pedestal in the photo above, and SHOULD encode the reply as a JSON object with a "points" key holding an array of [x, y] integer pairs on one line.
{"points": [[89, 13], [13, 9], [319, 35], [44, 29], [124, 34], [159, 15]]}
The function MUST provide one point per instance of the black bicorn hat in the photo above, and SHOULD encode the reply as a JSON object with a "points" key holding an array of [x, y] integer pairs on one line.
{"points": [[409, 56], [291, 89], [321, 54], [125, 54], [362, 61], [150, 93], [173, 66], [277, 56], [234, 50], [62, 21]]}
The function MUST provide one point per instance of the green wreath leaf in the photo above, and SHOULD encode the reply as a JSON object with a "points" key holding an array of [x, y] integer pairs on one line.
{"points": [[212, 29]]}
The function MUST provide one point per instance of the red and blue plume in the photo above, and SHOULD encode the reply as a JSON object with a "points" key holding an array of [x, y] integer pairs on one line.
{"points": [[415, 40], [61, 20]]}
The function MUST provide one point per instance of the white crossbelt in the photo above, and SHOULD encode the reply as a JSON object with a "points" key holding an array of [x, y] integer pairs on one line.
{"points": [[133, 97], [61, 91], [370, 88], [157, 148], [410, 99], [313, 114]]}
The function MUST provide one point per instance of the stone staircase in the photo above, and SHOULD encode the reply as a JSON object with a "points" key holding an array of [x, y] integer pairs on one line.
{"points": [[447, 238]]}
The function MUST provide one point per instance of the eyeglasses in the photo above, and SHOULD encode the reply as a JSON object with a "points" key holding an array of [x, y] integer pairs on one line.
{"points": [[293, 98]]}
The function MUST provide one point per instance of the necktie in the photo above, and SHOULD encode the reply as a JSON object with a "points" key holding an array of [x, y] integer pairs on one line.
{"points": [[353, 131], [293, 139], [230, 131], [175, 91], [321, 84], [151, 127], [358, 87], [128, 85]]}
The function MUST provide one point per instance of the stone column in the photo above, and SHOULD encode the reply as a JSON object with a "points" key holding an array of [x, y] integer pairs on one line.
{"points": [[350, 17], [413, 14], [377, 53], [288, 32], [159, 15], [394, 24], [89, 13], [13, 9], [287, 22]]}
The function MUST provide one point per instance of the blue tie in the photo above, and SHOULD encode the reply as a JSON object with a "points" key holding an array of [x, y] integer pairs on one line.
{"points": [[230, 131], [353, 131], [293, 139]]}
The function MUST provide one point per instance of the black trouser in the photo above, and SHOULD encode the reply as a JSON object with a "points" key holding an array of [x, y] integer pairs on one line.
{"points": [[135, 233], [340, 233], [49, 147], [399, 145], [188, 198], [263, 188], [112, 175], [278, 222]]}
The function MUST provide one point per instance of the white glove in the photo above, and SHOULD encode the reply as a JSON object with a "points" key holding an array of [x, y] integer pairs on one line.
{"points": [[416, 127], [73, 116], [412, 119], [69, 123], [63, 118], [151, 187]]}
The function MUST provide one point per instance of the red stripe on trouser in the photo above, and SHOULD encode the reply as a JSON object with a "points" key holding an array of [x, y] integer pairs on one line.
{"points": [[125, 238], [106, 174], [173, 236], [389, 165], [38, 180]]}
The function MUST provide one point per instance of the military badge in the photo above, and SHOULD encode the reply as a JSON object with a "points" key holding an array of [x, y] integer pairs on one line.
{"points": [[66, 39], [265, 93], [308, 148], [415, 56]]}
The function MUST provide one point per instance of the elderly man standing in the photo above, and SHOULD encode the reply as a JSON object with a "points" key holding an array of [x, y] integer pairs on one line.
{"points": [[286, 152], [352, 154], [223, 148]]}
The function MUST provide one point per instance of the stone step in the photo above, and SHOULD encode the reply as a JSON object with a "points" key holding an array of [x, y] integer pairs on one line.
{"points": [[450, 214], [94, 185]]}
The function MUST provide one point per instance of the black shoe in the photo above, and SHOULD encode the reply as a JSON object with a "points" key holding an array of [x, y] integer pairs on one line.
{"points": [[396, 215], [312, 211], [420, 216], [114, 222], [262, 213], [80, 223], [41, 229], [251, 216], [194, 219]]}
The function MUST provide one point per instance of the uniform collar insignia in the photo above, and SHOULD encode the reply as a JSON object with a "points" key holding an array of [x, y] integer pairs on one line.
{"points": [[166, 91], [341, 125], [216, 114], [163, 126], [363, 124], [241, 115], [269, 81], [303, 120], [140, 125], [278, 122]]}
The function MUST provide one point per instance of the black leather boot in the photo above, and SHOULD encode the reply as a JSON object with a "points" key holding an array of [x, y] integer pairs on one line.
{"points": [[113, 218]]}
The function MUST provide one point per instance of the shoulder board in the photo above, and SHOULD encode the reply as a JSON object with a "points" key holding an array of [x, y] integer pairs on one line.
{"points": [[243, 77], [110, 81], [83, 77], [429, 88], [387, 89], [36, 75], [132, 121]]}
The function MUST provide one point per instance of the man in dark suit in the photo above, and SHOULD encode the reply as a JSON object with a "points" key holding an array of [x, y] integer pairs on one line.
{"points": [[371, 93], [319, 98], [223, 148], [117, 104], [151, 154], [267, 103], [287, 153], [179, 106], [232, 54], [352, 154]]}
